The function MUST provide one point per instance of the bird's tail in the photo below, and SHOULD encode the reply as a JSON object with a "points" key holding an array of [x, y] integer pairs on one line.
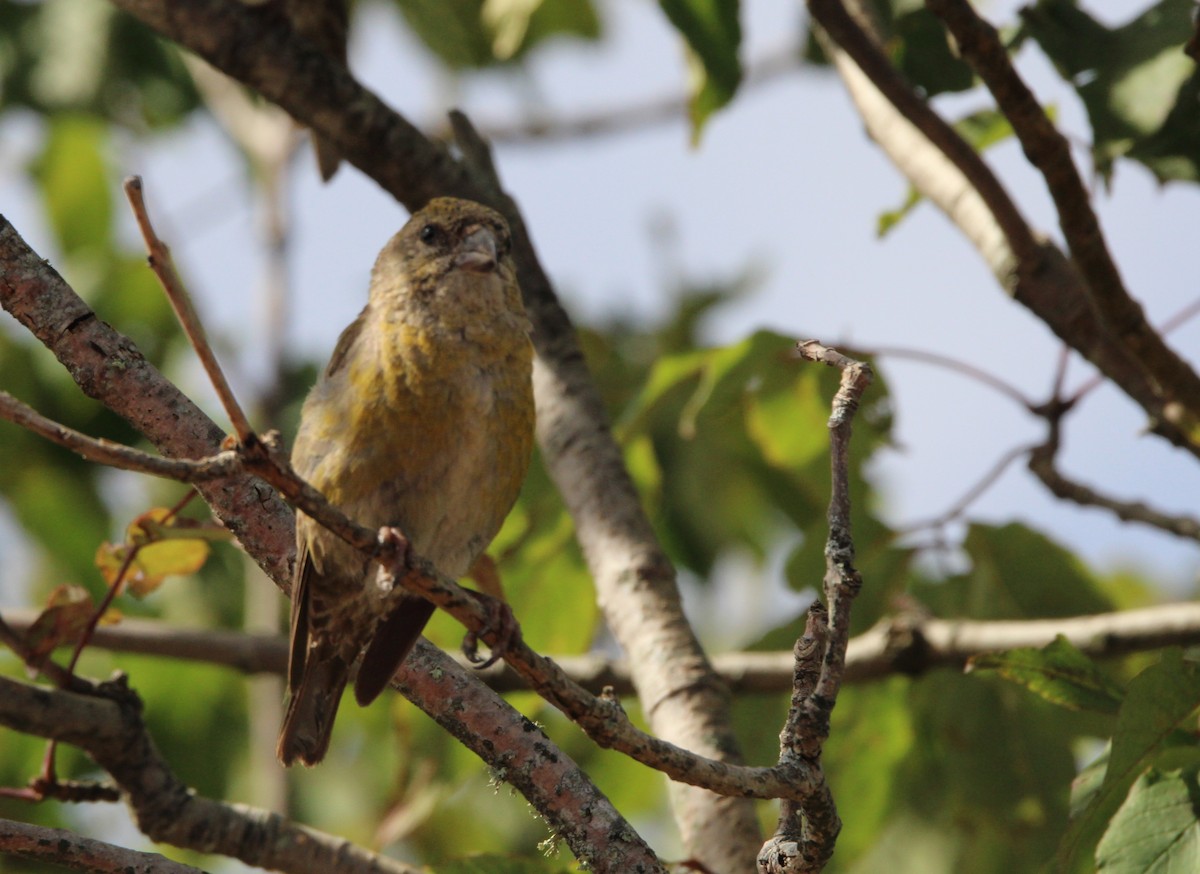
{"points": [[312, 705], [393, 640]]}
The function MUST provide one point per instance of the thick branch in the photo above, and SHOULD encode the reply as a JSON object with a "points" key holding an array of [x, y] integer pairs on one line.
{"points": [[916, 644], [527, 759], [944, 168], [905, 644], [108, 725], [108, 367], [864, 53], [60, 847], [1049, 151]]}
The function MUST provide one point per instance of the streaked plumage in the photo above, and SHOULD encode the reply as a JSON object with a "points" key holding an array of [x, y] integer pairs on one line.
{"points": [[423, 420]]}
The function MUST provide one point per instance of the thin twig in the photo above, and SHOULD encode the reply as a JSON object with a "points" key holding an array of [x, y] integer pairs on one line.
{"points": [[47, 785], [955, 365], [55, 672], [116, 455], [625, 118], [973, 494], [809, 825], [1042, 463], [181, 302]]}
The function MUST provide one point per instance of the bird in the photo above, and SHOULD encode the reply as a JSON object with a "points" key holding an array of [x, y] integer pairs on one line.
{"points": [[423, 421]]}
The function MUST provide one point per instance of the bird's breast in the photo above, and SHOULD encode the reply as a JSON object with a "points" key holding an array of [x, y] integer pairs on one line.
{"points": [[431, 434]]}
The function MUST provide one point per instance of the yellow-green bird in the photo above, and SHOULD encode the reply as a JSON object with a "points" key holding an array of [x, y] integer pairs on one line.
{"points": [[423, 420]]}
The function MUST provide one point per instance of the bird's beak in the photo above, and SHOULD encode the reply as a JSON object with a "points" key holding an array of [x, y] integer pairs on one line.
{"points": [[477, 252]]}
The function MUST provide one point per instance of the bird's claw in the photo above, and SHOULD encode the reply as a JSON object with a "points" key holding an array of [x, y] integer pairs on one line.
{"points": [[393, 554], [500, 622]]}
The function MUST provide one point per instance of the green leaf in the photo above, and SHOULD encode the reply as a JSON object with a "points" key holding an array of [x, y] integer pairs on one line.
{"points": [[1058, 672], [977, 788], [475, 34], [713, 33], [871, 736], [1017, 573], [1159, 704], [85, 57], [452, 29], [753, 405], [889, 219], [1139, 88], [517, 26], [919, 47], [73, 175], [1155, 831]]}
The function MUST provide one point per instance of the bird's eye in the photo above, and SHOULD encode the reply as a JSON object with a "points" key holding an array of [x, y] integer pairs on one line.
{"points": [[430, 234]]}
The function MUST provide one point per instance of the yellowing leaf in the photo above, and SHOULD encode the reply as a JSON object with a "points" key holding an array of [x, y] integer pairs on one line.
{"points": [[158, 544], [69, 610], [151, 564]]}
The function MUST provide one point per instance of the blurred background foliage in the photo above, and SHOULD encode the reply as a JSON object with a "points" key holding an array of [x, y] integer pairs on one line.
{"points": [[728, 447]]}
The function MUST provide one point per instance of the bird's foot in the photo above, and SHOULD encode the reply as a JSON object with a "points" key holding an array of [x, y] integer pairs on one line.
{"points": [[393, 555], [500, 622]]}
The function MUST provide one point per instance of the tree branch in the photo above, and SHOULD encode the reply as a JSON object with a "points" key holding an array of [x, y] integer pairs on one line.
{"points": [[1049, 152], [904, 644], [58, 846], [110, 367], [914, 644], [1042, 463], [946, 170], [116, 455], [684, 700], [108, 725], [542, 129], [863, 51], [809, 826], [163, 265]]}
